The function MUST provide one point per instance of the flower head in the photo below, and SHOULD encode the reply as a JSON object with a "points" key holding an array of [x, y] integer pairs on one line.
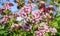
{"points": [[27, 27]]}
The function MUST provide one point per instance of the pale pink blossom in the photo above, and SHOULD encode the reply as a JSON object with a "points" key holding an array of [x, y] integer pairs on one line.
{"points": [[16, 26], [39, 33], [53, 31]]}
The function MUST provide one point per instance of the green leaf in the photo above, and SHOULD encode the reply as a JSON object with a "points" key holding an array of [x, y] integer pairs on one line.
{"points": [[31, 15], [52, 3], [58, 1], [2, 32], [58, 19], [7, 12], [46, 34], [55, 24]]}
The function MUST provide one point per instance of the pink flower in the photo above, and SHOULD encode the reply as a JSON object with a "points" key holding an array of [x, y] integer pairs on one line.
{"points": [[50, 7], [47, 30], [53, 31], [51, 12], [16, 26], [25, 11], [5, 19], [7, 5], [44, 26], [42, 5], [28, 8], [33, 17], [56, 3], [39, 33]]}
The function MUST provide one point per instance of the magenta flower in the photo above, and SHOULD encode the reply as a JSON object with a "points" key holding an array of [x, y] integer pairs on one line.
{"points": [[42, 5]]}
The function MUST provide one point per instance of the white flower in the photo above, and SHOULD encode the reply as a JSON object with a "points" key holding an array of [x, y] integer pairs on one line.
{"points": [[19, 19]]}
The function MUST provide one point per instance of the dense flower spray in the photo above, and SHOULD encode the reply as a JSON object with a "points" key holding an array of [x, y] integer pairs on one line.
{"points": [[34, 19]]}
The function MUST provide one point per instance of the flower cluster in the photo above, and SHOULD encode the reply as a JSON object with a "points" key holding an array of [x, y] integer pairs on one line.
{"points": [[7, 5], [44, 28], [43, 12], [30, 19]]}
